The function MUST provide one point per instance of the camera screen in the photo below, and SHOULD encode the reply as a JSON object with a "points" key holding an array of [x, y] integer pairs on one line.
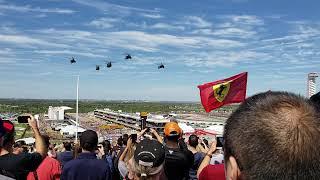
{"points": [[219, 141]]}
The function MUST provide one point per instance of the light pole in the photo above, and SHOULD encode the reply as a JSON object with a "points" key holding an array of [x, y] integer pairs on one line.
{"points": [[77, 109]]}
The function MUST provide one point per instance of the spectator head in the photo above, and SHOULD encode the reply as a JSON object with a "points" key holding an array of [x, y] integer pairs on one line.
{"points": [[6, 134], [20, 147], [273, 135], [67, 146], [148, 160], [172, 131], [120, 141], [205, 141], [125, 138], [193, 141], [107, 146], [89, 140]]}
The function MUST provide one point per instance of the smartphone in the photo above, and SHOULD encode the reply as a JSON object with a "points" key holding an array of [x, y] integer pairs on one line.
{"points": [[219, 142], [23, 119], [143, 123], [134, 137]]}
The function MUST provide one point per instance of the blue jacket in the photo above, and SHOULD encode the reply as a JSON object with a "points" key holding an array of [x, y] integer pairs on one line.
{"points": [[86, 167], [65, 157]]}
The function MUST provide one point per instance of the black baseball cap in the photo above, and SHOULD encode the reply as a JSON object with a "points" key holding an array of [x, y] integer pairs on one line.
{"points": [[6, 127], [149, 153]]}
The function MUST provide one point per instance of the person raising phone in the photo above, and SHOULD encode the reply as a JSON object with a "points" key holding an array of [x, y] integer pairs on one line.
{"points": [[18, 166]]}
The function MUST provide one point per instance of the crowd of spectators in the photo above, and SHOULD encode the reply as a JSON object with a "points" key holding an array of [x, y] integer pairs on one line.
{"points": [[272, 135]]}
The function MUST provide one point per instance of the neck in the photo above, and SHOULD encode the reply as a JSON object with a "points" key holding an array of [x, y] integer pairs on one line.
{"points": [[86, 151], [193, 149], [171, 144]]}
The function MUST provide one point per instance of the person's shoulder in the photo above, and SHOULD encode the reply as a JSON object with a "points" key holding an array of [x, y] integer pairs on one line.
{"points": [[27, 156], [100, 162], [12, 159], [52, 160], [71, 163], [216, 171]]}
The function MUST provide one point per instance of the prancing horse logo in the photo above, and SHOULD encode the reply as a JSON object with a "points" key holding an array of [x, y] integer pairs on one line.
{"points": [[221, 91]]}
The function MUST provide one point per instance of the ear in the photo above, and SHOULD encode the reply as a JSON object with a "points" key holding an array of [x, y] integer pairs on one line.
{"points": [[232, 169]]}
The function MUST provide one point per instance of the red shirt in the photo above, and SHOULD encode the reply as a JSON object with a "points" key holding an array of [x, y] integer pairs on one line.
{"points": [[213, 172], [49, 169]]}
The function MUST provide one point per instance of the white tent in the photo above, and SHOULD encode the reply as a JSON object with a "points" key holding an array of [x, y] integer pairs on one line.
{"points": [[215, 128], [71, 130], [158, 117], [185, 128], [28, 140]]}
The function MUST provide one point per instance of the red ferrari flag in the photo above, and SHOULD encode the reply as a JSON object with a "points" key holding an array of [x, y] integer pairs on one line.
{"points": [[226, 91]]}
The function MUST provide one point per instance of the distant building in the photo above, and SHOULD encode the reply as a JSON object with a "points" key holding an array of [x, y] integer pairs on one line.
{"points": [[311, 87], [57, 113]]}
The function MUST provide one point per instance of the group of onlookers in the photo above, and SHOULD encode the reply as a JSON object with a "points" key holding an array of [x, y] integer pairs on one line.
{"points": [[272, 135]]}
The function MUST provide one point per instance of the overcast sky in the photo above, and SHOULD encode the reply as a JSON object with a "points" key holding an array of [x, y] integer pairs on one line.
{"points": [[277, 42]]}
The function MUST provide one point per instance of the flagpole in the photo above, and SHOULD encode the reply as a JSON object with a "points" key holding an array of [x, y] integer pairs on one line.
{"points": [[77, 109]]}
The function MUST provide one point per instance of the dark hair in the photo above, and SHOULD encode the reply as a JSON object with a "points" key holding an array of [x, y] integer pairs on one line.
{"points": [[205, 141], [193, 140], [275, 135], [67, 146], [89, 140], [125, 138], [174, 138], [107, 147], [120, 141], [19, 144]]}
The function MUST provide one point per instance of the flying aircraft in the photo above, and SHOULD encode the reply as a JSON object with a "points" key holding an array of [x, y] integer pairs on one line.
{"points": [[72, 60], [97, 67], [128, 56], [109, 64], [161, 66]]}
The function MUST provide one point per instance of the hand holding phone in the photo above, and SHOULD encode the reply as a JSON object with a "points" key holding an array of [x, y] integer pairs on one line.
{"points": [[219, 142], [213, 147], [23, 119], [134, 138]]}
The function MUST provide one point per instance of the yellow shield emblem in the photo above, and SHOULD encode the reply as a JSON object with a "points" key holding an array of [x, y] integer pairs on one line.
{"points": [[221, 90]]}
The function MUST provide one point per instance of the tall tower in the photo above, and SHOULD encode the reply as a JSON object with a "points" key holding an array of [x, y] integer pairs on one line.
{"points": [[311, 88]]}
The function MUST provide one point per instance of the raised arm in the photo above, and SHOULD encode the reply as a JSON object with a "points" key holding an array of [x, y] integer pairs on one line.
{"points": [[123, 155], [155, 133], [206, 160], [40, 144]]}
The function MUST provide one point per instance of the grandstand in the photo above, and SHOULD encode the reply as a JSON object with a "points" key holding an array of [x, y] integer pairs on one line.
{"points": [[131, 121], [157, 121]]}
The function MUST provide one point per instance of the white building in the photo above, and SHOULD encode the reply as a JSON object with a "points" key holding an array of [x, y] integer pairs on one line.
{"points": [[57, 113], [71, 130], [311, 87]]}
